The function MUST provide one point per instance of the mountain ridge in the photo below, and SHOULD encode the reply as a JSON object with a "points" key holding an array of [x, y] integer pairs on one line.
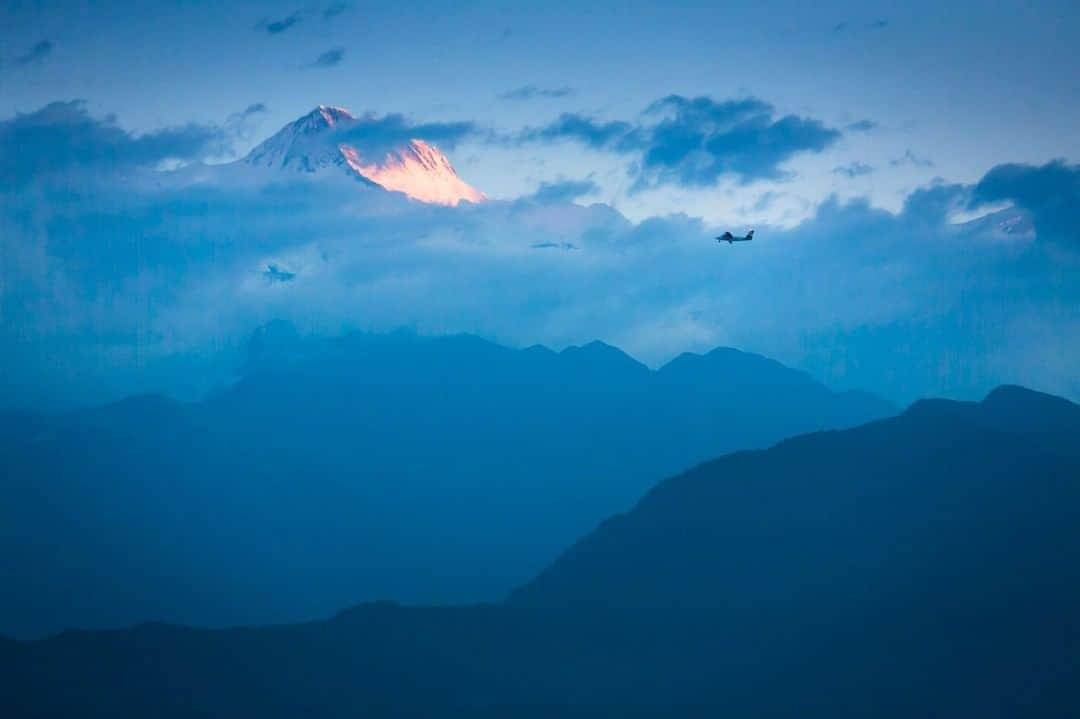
{"points": [[359, 459], [971, 614], [923, 440]]}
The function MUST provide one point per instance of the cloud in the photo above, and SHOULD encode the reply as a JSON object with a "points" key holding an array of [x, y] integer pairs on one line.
{"points": [[583, 129], [255, 108], [695, 142], [703, 140], [563, 191], [274, 273], [853, 170], [862, 126], [35, 55], [109, 286], [911, 159], [1051, 192], [530, 92], [334, 9], [276, 27], [765, 201], [373, 133], [241, 125], [330, 58], [63, 138]]}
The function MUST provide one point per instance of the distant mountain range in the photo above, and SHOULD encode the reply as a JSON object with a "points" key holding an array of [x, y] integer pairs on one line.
{"points": [[921, 565], [444, 469]]}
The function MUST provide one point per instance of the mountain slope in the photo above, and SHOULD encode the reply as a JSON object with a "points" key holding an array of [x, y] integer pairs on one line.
{"points": [[332, 139], [947, 503], [367, 467], [922, 565]]}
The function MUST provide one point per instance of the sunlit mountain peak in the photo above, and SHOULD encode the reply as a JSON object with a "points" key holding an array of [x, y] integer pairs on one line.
{"points": [[320, 141]]}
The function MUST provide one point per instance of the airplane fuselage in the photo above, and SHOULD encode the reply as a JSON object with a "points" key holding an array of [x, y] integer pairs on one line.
{"points": [[729, 238]]}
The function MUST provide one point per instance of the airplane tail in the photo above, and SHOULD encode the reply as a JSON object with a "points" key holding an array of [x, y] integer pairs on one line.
{"points": [[750, 235]]}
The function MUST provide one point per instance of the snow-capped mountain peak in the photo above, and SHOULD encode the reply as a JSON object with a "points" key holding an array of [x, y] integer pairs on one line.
{"points": [[319, 142]]}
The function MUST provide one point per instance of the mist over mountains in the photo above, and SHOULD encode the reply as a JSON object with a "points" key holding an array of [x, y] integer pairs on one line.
{"points": [[125, 275], [917, 565], [435, 470]]}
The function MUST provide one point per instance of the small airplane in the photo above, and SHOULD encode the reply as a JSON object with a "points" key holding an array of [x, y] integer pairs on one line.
{"points": [[729, 238]]}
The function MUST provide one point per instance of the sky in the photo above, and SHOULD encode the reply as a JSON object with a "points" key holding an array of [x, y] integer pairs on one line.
{"points": [[629, 130], [960, 86]]}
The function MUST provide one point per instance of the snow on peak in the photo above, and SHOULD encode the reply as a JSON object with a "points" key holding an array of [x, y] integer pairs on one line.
{"points": [[418, 170], [331, 114], [414, 168]]}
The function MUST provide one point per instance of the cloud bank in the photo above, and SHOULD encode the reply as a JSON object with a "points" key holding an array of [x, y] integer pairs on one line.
{"points": [[1051, 191], [112, 283], [62, 139]]}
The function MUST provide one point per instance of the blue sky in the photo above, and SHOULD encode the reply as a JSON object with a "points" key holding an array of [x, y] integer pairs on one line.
{"points": [[962, 86], [893, 118]]}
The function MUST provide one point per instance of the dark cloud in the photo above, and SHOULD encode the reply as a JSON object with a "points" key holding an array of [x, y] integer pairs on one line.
{"points": [[879, 24], [931, 205], [701, 140], [276, 27], [255, 108], [334, 9], [563, 191], [1051, 192], [910, 158], [274, 273], [35, 55], [553, 246], [583, 129], [694, 142], [241, 124], [862, 126], [330, 58], [530, 92], [63, 137], [853, 170], [375, 133]]}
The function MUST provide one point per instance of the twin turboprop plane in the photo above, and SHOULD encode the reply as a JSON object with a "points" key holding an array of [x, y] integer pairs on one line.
{"points": [[729, 238]]}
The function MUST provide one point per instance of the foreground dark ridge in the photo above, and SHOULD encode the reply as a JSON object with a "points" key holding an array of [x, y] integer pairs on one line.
{"points": [[922, 565], [445, 470], [945, 482]]}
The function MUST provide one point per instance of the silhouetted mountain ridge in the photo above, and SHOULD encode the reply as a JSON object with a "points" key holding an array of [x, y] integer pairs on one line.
{"points": [[822, 497], [920, 565], [366, 466]]}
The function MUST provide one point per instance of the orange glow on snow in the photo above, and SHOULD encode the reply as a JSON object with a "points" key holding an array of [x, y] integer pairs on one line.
{"points": [[417, 170]]}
